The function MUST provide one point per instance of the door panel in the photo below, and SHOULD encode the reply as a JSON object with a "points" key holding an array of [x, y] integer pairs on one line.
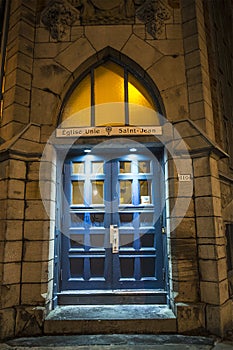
{"points": [[124, 192]]}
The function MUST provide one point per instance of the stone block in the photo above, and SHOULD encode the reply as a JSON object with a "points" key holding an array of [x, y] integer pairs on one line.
{"points": [[77, 32], [3, 211], [184, 270], [49, 75], [4, 170], [23, 12], [38, 250], [183, 249], [186, 292], [113, 36], [135, 46], [14, 230], [15, 209], [191, 43], [186, 229], [206, 186], [188, 11], [190, 28], [42, 35], [17, 94], [192, 59], [184, 207], [205, 166], [197, 110], [177, 16], [21, 28], [13, 251], [11, 273], [20, 44], [140, 31], [23, 146], [20, 61], [32, 293], [168, 72], [40, 99], [46, 132], [3, 189], [168, 47], [35, 210], [195, 93], [215, 293], [36, 272], [81, 49], [29, 321], [51, 50], [11, 129], [33, 170], [173, 31], [33, 190], [10, 295], [213, 270], [219, 318], [37, 230], [20, 78], [16, 112], [2, 229], [16, 189], [204, 206], [194, 75], [7, 323], [190, 318], [175, 100], [32, 134], [17, 169]]}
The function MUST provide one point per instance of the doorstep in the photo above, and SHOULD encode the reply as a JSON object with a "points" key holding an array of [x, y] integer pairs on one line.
{"points": [[109, 319]]}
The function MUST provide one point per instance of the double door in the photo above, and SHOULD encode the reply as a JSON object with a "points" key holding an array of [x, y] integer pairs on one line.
{"points": [[111, 223]]}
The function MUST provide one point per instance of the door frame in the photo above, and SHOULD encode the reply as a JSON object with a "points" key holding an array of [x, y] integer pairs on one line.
{"points": [[157, 148]]}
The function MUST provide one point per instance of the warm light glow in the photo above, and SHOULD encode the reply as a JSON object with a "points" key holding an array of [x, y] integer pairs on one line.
{"points": [[79, 100], [139, 97], [108, 93], [109, 87]]}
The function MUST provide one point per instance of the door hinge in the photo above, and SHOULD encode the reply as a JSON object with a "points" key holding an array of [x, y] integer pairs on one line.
{"points": [[164, 274], [61, 274], [163, 230]]}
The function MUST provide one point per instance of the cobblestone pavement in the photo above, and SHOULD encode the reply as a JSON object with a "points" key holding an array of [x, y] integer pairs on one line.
{"points": [[117, 342]]}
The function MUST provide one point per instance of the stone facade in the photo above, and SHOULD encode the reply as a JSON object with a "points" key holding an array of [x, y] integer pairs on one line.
{"points": [[49, 45]]}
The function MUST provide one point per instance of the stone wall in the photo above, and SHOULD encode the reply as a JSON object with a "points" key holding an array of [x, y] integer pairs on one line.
{"points": [[43, 60]]}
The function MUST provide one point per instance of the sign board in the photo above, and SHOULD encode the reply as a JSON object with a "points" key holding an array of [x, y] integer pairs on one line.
{"points": [[109, 131], [184, 177]]}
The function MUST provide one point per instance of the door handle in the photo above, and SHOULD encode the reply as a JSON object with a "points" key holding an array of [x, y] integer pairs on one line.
{"points": [[114, 238]]}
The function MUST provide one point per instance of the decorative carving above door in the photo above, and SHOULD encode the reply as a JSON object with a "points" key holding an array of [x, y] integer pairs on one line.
{"points": [[60, 15]]}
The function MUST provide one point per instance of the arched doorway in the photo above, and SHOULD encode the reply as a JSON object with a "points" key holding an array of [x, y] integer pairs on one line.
{"points": [[111, 246]]}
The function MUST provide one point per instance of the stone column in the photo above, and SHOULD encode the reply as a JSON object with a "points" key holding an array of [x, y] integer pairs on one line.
{"points": [[19, 61], [211, 246], [197, 65]]}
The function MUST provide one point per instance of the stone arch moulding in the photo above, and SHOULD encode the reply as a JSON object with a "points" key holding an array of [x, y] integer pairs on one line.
{"points": [[96, 59]]}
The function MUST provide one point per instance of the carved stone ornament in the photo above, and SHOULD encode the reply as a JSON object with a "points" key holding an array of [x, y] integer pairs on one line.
{"points": [[63, 13], [153, 13], [105, 11], [58, 17]]}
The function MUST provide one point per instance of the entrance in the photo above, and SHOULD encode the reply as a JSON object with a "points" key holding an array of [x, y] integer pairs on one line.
{"points": [[112, 237]]}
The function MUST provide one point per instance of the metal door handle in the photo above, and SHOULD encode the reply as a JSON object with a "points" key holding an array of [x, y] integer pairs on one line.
{"points": [[114, 238]]}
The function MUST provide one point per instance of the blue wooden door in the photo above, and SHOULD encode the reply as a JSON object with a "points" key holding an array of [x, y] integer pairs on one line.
{"points": [[100, 192]]}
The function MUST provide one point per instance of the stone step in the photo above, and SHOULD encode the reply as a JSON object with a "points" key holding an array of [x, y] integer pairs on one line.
{"points": [[112, 297], [109, 319]]}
